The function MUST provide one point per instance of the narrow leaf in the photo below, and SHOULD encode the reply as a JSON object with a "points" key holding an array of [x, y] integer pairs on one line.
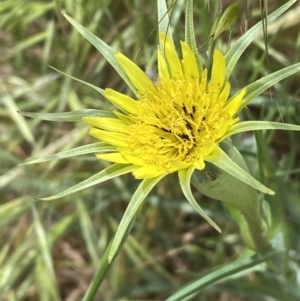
{"points": [[220, 159], [131, 210], [99, 147], [19, 120], [102, 176], [163, 18], [266, 82], [235, 52], [104, 49], [185, 182], [260, 125], [221, 273], [101, 91], [73, 116], [45, 254], [88, 231]]}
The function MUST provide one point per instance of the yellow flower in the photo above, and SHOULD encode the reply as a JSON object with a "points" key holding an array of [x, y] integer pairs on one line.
{"points": [[177, 122]]}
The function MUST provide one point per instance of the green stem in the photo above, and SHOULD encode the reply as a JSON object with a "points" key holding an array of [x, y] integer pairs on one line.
{"points": [[252, 226]]}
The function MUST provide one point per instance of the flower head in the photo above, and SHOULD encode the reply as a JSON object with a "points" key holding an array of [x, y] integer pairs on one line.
{"points": [[177, 122]]}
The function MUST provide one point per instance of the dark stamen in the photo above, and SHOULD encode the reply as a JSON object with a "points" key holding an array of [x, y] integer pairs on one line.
{"points": [[184, 136], [188, 125], [165, 130]]}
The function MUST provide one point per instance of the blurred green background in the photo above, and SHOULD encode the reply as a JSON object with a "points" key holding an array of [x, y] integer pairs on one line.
{"points": [[50, 250]]}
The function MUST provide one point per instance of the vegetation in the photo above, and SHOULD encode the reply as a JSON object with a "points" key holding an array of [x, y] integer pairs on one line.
{"points": [[51, 250]]}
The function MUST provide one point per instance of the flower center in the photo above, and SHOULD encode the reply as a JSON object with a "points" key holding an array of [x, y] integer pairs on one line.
{"points": [[179, 123]]}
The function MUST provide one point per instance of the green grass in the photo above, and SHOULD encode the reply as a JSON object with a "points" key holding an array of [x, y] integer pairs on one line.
{"points": [[51, 250]]}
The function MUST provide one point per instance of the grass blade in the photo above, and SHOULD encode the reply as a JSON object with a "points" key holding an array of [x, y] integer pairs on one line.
{"points": [[221, 273], [235, 52]]}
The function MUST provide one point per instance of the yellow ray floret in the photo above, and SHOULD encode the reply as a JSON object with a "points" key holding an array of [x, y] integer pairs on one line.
{"points": [[113, 157], [138, 78], [170, 53], [189, 62], [163, 70], [234, 104], [147, 172], [120, 100], [109, 124], [218, 71], [115, 139]]}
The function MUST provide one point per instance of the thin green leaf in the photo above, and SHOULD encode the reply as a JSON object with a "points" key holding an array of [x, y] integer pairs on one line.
{"points": [[260, 125], [104, 49], [108, 173], [45, 254], [131, 210], [73, 116], [221, 273], [29, 42], [19, 120], [185, 182], [88, 231], [189, 32], [163, 19], [101, 91], [60, 227], [266, 82], [98, 147], [13, 209], [235, 52], [220, 159]]}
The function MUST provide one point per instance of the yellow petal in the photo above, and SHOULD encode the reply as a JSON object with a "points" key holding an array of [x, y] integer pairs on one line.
{"points": [[163, 71], [208, 149], [189, 62], [113, 157], [225, 92], [218, 71], [171, 56], [134, 160], [120, 100], [180, 165], [199, 164], [234, 103], [136, 75], [116, 139], [147, 172], [223, 128], [110, 124]]}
